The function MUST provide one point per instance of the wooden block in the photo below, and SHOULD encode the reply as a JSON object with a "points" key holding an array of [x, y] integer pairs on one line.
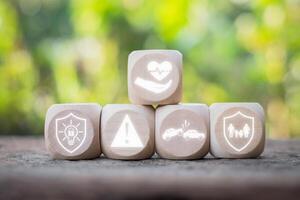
{"points": [[237, 130], [182, 131], [127, 131], [72, 131], [155, 77]]}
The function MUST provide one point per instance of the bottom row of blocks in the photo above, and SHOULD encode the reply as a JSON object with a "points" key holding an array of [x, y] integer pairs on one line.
{"points": [[133, 132]]}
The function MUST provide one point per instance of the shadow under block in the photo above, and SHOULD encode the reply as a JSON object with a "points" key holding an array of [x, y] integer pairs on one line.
{"points": [[237, 130], [72, 131], [182, 131], [155, 77], [127, 131]]}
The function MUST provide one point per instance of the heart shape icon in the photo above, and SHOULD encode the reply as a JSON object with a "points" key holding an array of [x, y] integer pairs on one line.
{"points": [[159, 70]]}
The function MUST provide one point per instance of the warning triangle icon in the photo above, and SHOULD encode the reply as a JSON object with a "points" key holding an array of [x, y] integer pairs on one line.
{"points": [[127, 136]]}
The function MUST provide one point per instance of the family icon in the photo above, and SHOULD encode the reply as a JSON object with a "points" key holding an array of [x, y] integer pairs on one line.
{"points": [[243, 133], [236, 136]]}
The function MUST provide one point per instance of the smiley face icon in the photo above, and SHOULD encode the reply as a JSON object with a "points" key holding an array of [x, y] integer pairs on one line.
{"points": [[154, 76]]}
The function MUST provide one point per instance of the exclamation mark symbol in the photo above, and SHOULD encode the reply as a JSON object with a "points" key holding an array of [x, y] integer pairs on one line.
{"points": [[126, 133]]}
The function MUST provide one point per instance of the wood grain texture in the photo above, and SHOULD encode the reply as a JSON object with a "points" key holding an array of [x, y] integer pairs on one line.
{"points": [[28, 172]]}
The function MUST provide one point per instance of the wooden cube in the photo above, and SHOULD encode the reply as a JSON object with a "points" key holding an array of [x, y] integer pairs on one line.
{"points": [[182, 131], [127, 131], [155, 77], [237, 130], [72, 131]]}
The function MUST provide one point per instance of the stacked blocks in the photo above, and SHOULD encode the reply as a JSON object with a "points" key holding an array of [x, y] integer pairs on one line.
{"points": [[173, 130]]}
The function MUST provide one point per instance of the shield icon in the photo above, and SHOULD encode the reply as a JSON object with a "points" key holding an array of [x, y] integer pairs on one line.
{"points": [[70, 132], [238, 130]]}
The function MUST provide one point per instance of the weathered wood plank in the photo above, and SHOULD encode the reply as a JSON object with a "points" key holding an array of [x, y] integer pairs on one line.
{"points": [[26, 171]]}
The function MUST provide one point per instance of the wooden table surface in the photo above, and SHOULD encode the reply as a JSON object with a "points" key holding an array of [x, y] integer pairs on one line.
{"points": [[27, 172]]}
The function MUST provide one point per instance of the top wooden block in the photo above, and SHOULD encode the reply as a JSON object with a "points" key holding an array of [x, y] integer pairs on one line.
{"points": [[155, 77]]}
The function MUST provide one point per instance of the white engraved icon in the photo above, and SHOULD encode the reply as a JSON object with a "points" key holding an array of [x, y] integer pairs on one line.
{"points": [[243, 133], [159, 71], [238, 130], [184, 132], [127, 136], [70, 132]]}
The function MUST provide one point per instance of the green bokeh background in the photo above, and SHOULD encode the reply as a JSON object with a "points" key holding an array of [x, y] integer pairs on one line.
{"points": [[55, 51]]}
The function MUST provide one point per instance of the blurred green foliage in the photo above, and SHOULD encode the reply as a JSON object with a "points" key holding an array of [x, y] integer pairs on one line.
{"points": [[54, 51]]}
